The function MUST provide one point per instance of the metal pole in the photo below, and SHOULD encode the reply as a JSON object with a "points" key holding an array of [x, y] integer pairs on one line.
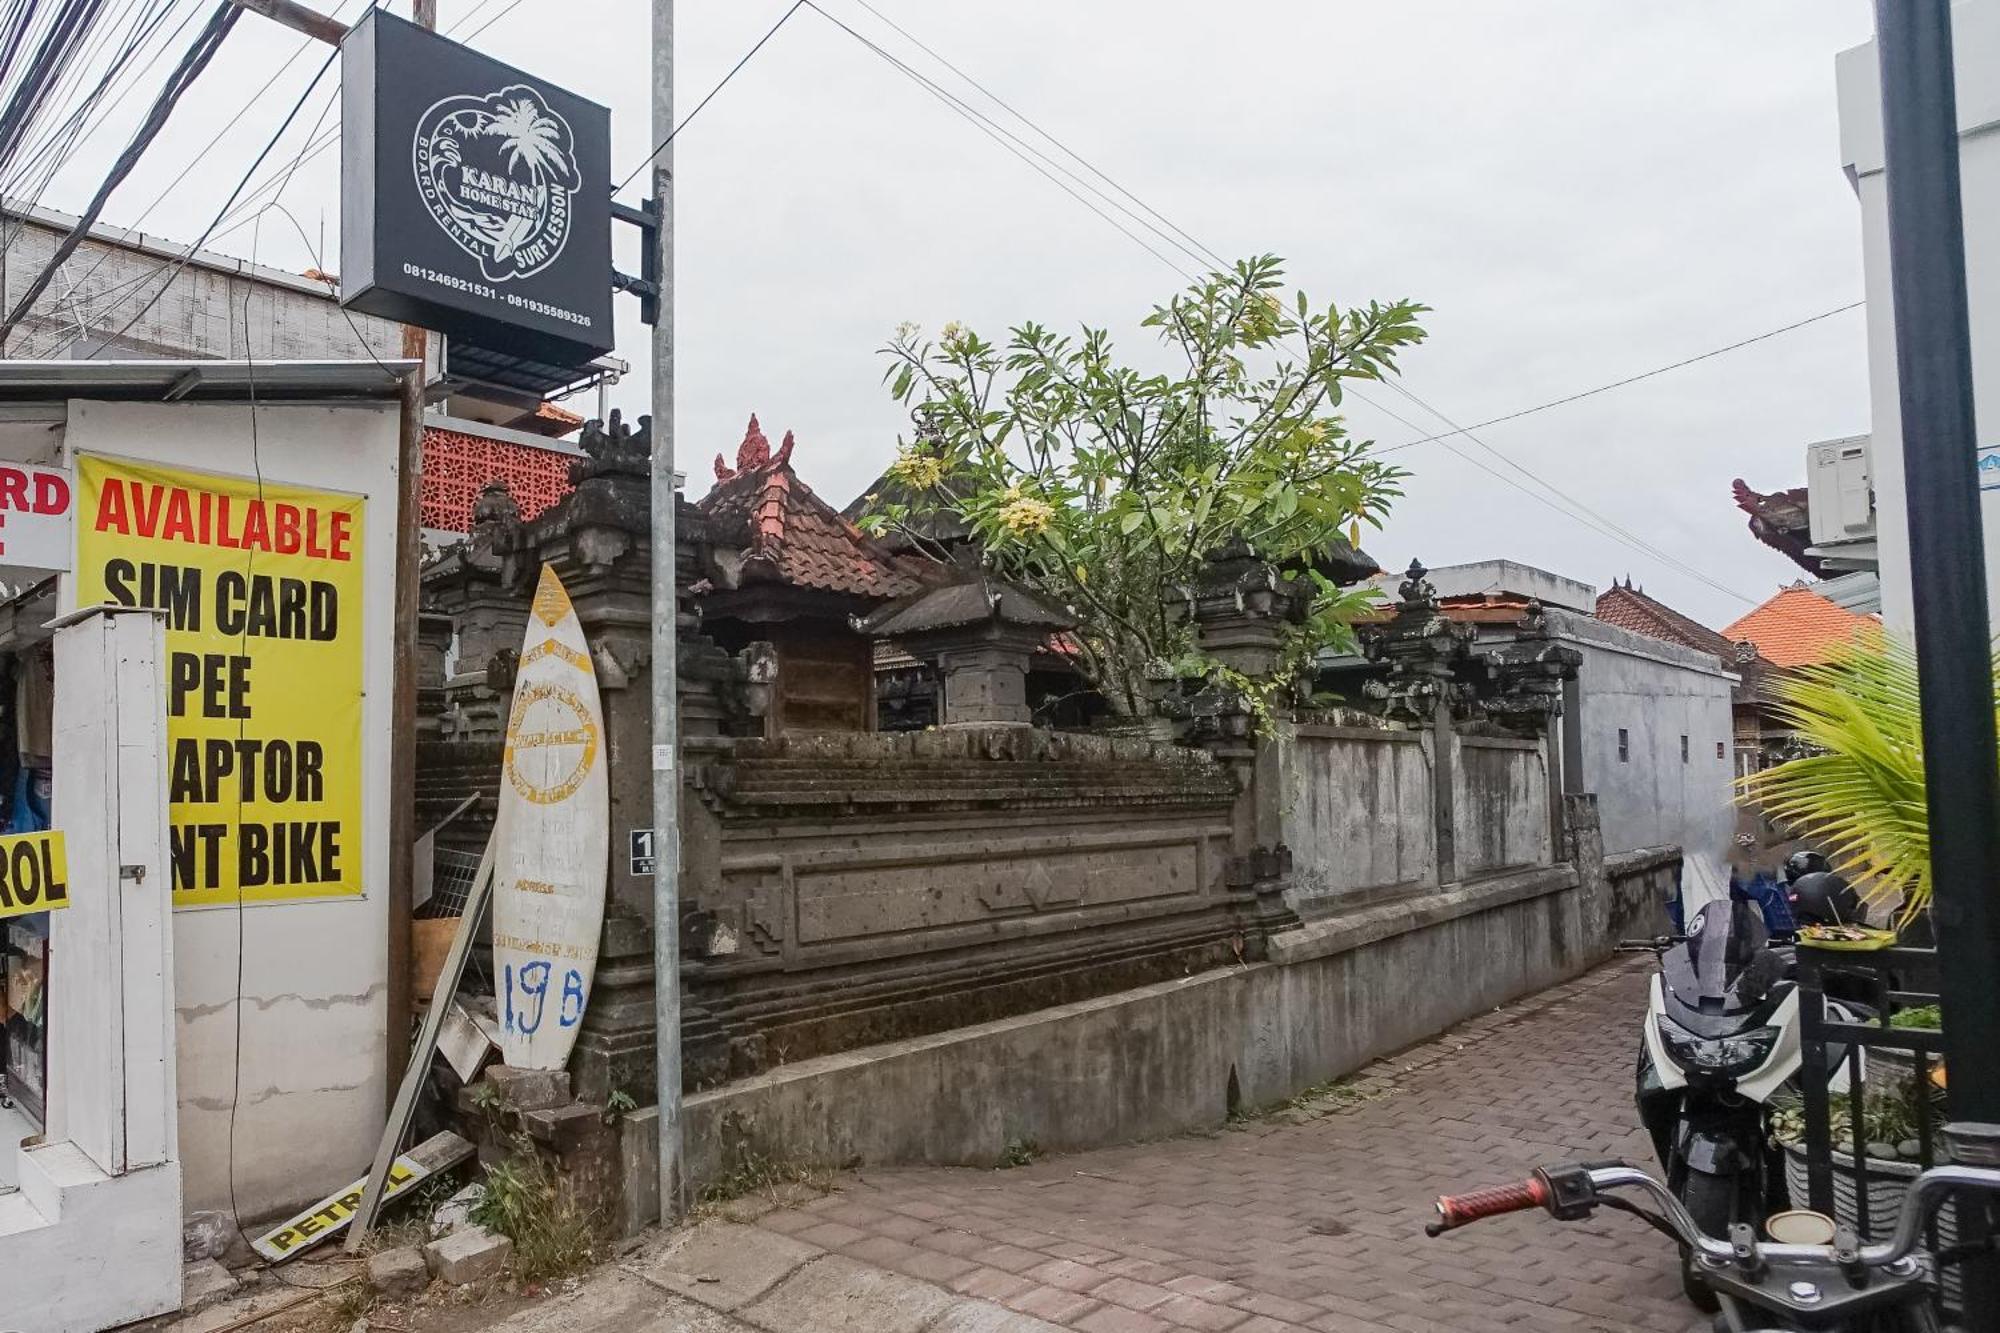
{"points": [[666, 722], [1947, 565]]}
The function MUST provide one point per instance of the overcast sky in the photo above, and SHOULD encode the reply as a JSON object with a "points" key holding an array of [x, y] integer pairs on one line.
{"points": [[1582, 190]]}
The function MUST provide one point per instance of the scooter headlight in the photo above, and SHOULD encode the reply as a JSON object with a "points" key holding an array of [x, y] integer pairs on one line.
{"points": [[1737, 1054]]}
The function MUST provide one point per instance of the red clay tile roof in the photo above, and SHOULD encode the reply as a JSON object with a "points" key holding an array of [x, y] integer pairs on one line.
{"points": [[792, 535], [1630, 608], [1477, 608], [1799, 627]]}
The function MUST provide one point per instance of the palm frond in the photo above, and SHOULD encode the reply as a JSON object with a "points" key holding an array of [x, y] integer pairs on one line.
{"points": [[1862, 796]]}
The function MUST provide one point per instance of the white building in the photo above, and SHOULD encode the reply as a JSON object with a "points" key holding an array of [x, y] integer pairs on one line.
{"points": [[217, 1032], [1646, 725], [1976, 47]]}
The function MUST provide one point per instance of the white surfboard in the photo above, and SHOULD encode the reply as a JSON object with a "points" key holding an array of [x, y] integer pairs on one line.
{"points": [[551, 838]]}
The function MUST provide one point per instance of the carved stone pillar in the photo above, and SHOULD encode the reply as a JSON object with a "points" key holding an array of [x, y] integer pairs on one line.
{"points": [[434, 636], [1242, 608], [1423, 649]]}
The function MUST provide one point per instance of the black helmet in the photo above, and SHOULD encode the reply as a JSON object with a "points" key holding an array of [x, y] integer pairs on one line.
{"points": [[1824, 899], [1805, 863]]}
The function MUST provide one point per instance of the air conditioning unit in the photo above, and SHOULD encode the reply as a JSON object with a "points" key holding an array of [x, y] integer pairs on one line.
{"points": [[1839, 492]]}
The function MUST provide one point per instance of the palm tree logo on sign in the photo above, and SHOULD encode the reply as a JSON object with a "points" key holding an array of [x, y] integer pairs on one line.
{"points": [[497, 174]]}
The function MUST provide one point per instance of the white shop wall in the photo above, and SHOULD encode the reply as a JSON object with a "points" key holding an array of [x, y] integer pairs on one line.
{"points": [[1976, 59], [310, 1093]]}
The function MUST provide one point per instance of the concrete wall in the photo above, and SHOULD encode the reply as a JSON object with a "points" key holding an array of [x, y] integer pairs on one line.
{"points": [[1500, 804], [1638, 887], [1167, 1058], [1976, 47], [1495, 577], [1359, 812], [1361, 815], [1656, 693], [309, 1089], [215, 306]]}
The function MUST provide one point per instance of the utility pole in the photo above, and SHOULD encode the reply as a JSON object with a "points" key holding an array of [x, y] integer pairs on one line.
{"points": [[1947, 574], [401, 994], [666, 661]]}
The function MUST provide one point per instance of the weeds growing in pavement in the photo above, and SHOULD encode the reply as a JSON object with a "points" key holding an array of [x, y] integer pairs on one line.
{"points": [[1018, 1152], [751, 1172], [534, 1206]]}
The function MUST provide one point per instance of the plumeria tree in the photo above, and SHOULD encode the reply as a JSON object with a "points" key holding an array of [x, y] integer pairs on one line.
{"points": [[1104, 487]]}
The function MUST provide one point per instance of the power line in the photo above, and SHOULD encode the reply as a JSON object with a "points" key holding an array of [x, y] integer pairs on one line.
{"points": [[187, 172], [1581, 513], [1199, 250], [1014, 144], [316, 143], [181, 262], [512, 6], [1618, 531], [196, 59], [1634, 379], [653, 156]]}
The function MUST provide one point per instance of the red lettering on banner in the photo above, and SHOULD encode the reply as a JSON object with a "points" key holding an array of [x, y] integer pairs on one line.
{"points": [[180, 519], [111, 515], [256, 529], [196, 517], [145, 515], [51, 493], [285, 526]]}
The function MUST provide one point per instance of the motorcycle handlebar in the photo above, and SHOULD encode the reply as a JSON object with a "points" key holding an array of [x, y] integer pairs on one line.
{"points": [[1920, 1200], [1457, 1210]]}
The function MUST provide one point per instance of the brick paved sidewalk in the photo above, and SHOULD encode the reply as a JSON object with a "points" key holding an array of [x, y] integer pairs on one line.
{"points": [[1313, 1218]]}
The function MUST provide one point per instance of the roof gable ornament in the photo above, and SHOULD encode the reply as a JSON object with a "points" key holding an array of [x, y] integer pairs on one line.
{"points": [[751, 455]]}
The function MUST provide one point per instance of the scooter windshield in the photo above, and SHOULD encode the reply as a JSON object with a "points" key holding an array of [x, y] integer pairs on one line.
{"points": [[1722, 940]]}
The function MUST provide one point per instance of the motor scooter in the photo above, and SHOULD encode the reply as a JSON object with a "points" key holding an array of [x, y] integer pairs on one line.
{"points": [[1721, 1039]]}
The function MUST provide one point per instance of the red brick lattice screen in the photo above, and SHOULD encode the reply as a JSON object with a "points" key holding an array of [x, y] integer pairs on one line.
{"points": [[457, 467]]}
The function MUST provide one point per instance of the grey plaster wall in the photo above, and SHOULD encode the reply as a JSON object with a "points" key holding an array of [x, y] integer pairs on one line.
{"points": [[1359, 811], [1163, 1059], [1500, 805], [1638, 887], [1656, 693]]}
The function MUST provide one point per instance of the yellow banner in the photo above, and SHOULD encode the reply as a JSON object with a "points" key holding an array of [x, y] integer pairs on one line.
{"points": [[34, 875], [261, 585]]}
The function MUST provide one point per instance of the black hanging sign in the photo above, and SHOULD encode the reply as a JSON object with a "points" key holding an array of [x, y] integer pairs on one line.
{"points": [[475, 198]]}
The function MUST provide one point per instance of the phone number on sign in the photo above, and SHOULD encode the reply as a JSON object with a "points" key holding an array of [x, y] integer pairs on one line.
{"points": [[481, 289]]}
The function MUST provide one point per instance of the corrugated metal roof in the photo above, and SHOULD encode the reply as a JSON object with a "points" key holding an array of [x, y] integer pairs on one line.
{"points": [[201, 381]]}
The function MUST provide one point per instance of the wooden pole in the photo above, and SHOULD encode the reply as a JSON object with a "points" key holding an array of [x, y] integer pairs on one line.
{"points": [[320, 27], [403, 753]]}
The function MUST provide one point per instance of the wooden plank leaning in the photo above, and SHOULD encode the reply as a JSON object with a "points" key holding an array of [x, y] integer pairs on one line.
{"points": [[476, 899]]}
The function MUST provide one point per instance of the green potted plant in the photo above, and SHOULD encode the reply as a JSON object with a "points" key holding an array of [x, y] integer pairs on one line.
{"points": [[1889, 1132]]}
